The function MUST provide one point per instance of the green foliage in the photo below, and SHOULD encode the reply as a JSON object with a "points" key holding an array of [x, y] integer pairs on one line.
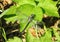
{"points": [[49, 7], [28, 7], [47, 37], [15, 39], [57, 35], [30, 38], [21, 12]]}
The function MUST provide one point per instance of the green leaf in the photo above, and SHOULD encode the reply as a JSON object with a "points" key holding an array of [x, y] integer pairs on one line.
{"points": [[41, 2], [47, 37], [10, 11], [39, 13], [11, 19], [15, 39], [56, 34], [30, 9], [23, 19], [23, 12], [26, 9], [31, 38], [50, 7], [21, 2], [4, 34], [10, 14]]}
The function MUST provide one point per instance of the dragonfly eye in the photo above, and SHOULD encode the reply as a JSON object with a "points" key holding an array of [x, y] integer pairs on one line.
{"points": [[31, 17]]}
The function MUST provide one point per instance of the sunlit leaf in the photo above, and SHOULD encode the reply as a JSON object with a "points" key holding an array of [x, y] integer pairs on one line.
{"points": [[21, 2], [39, 13], [50, 7], [15, 39], [47, 37]]}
